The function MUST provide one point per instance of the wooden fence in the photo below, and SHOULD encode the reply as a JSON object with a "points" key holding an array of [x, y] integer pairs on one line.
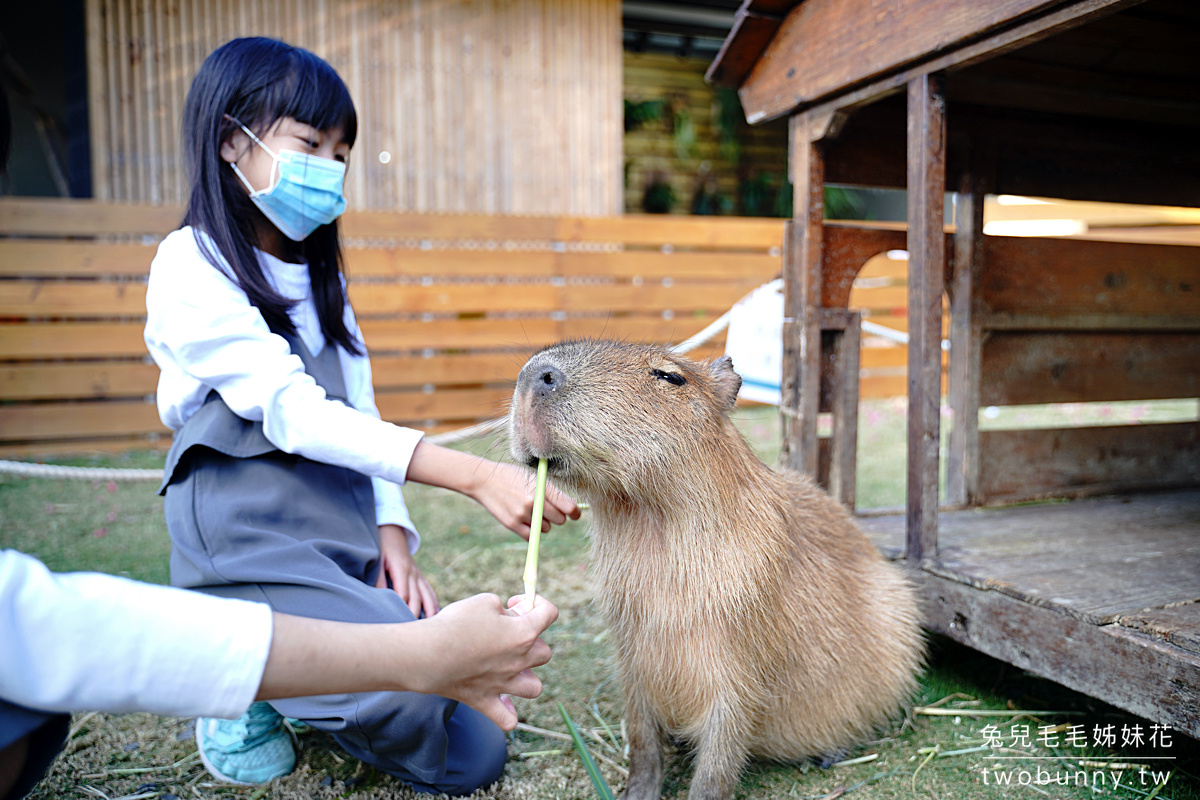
{"points": [[449, 306]]}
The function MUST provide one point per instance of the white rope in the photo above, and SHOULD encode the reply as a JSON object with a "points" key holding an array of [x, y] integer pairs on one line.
{"points": [[875, 329], [31, 470], [900, 337], [689, 344], [470, 432]]}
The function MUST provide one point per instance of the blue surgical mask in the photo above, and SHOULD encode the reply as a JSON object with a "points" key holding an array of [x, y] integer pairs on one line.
{"points": [[306, 193]]}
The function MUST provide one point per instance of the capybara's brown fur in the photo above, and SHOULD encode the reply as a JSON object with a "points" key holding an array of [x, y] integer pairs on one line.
{"points": [[751, 616]]}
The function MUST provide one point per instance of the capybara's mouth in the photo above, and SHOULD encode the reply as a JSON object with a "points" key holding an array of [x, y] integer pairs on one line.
{"points": [[553, 463]]}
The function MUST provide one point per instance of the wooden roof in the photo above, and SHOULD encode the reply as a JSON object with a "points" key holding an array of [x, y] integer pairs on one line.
{"points": [[1078, 99], [1127, 59]]}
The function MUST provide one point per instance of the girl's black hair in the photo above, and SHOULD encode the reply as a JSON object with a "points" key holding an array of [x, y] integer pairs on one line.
{"points": [[257, 81]]}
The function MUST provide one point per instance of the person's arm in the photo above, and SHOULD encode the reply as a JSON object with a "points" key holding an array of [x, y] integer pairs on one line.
{"points": [[204, 334], [473, 651], [505, 490], [202, 331], [95, 642], [88, 641]]}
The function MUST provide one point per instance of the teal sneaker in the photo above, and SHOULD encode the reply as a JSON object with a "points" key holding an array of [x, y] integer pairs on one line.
{"points": [[252, 749]]}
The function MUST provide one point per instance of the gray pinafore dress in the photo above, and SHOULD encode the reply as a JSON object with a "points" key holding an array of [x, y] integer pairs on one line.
{"points": [[249, 521]]}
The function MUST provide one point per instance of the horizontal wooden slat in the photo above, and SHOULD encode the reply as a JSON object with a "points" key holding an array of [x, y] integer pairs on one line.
{"points": [[396, 261], [651, 264], [69, 420], [459, 333], [650, 229], [410, 407], [377, 262], [1028, 464], [883, 268], [879, 297], [51, 258], [654, 296], [639, 328], [72, 299], [732, 233], [447, 227], [72, 340], [1054, 321], [440, 368], [883, 357], [35, 216], [1021, 368], [108, 444], [883, 386], [375, 298], [1066, 277], [28, 216], [88, 379]]}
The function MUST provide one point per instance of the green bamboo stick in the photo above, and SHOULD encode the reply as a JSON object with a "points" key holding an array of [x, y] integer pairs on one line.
{"points": [[535, 533]]}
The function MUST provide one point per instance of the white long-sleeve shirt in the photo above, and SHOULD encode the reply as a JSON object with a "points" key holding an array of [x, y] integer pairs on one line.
{"points": [[204, 334], [85, 641]]}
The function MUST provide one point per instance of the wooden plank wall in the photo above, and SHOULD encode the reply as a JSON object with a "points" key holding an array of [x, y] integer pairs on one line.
{"points": [[1085, 321], [450, 306], [483, 106]]}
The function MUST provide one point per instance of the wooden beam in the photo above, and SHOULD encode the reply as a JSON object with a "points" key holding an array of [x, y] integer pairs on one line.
{"points": [[1075, 462], [749, 35], [847, 341], [1153, 679], [926, 267], [1038, 366], [1089, 278], [29, 216], [827, 46], [962, 467], [802, 300]]}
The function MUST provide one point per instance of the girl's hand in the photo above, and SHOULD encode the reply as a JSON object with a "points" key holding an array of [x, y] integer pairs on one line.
{"points": [[396, 565], [485, 653], [506, 491], [474, 651]]}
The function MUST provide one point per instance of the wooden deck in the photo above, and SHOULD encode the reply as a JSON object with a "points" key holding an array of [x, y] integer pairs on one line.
{"points": [[1060, 587]]}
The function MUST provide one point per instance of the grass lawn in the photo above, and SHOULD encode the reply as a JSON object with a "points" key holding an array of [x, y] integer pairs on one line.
{"points": [[117, 527]]}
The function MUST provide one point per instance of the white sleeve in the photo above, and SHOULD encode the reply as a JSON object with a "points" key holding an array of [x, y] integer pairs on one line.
{"points": [[201, 326], [390, 508], [91, 642]]}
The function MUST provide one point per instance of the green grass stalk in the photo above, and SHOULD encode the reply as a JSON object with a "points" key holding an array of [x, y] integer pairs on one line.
{"points": [[603, 791], [535, 533]]}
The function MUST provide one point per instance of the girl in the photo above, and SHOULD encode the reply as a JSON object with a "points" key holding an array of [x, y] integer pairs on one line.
{"points": [[282, 482]]}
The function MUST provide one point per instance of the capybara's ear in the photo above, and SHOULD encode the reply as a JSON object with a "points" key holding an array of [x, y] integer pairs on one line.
{"points": [[725, 381]]}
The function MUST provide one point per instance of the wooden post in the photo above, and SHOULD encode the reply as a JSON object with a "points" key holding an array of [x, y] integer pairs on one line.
{"points": [[97, 109], [926, 265], [962, 459], [844, 456], [802, 298]]}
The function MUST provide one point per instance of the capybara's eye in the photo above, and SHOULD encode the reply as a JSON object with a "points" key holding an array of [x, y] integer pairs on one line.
{"points": [[673, 378]]}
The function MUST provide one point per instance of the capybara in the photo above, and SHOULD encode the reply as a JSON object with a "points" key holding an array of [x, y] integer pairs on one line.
{"points": [[751, 615]]}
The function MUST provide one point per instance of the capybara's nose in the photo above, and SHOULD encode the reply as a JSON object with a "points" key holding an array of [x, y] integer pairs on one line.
{"points": [[546, 381]]}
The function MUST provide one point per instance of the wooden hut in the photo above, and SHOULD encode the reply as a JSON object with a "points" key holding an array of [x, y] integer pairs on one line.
{"points": [[1074, 99]]}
